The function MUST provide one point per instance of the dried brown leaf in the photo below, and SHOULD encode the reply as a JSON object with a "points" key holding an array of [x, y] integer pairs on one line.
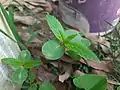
{"points": [[44, 75], [99, 72], [60, 86], [27, 20], [78, 72], [113, 82], [104, 66], [66, 75], [110, 87]]}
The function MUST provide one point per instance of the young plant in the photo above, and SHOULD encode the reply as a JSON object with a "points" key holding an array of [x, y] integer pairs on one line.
{"points": [[22, 71], [70, 42], [24, 65], [21, 66]]}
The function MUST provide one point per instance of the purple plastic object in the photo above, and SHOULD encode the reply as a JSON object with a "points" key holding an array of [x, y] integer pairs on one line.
{"points": [[95, 11]]}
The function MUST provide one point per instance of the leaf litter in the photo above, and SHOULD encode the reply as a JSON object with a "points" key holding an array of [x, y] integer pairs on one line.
{"points": [[37, 9]]}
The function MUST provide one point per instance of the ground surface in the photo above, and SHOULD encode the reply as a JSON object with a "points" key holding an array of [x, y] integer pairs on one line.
{"points": [[35, 16]]}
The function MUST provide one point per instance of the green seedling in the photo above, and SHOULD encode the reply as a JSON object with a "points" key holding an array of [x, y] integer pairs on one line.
{"points": [[22, 71], [67, 42], [22, 66]]}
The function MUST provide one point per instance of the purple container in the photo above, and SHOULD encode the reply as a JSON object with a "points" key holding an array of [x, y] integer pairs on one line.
{"points": [[95, 12]]}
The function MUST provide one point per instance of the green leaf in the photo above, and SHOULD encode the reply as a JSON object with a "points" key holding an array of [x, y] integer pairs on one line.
{"points": [[32, 63], [24, 55], [69, 38], [118, 88], [56, 27], [11, 13], [73, 55], [72, 36], [12, 62], [46, 86], [86, 42], [82, 51], [19, 75], [31, 76], [75, 37], [33, 87], [52, 50], [32, 37], [10, 22], [70, 32], [90, 82]]}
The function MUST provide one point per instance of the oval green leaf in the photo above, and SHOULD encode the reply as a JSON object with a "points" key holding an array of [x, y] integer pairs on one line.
{"points": [[52, 50], [69, 33], [86, 42], [46, 86], [24, 55], [55, 26], [75, 37], [73, 55], [32, 63], [31, 76], [19, 75], [90, 82], [82, 51], [12, 62]]}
